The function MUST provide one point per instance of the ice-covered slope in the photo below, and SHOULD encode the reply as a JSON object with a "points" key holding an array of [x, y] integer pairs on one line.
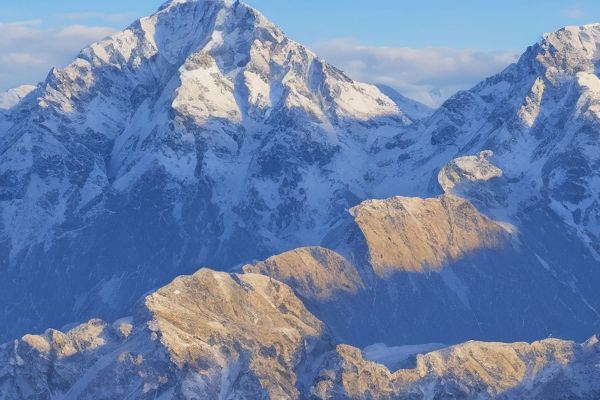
{"points": [[412, 108], [199, 135]]}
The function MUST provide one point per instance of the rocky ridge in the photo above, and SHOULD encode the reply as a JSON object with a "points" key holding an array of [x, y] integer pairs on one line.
{"points": [[218, 335]]}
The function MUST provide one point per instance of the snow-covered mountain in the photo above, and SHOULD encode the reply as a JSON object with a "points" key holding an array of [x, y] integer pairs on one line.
{"points": [[203, 136], [200, 135], [538, 116], [499, 239], [10, 99]]}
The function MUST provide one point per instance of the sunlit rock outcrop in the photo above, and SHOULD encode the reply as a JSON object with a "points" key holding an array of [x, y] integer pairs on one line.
{"points": [[415, 235]]}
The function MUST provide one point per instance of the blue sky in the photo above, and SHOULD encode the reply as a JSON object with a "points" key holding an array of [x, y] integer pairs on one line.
{"points": [[427, 49]]}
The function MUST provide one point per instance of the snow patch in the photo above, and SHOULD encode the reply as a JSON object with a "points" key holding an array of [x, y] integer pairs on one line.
{"points": [[394, 357]]}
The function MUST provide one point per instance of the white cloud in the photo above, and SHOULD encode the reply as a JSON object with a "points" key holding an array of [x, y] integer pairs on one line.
{"points": [[26, 22], [28, 51], [17, 58], [429, 75], [106, 17]]}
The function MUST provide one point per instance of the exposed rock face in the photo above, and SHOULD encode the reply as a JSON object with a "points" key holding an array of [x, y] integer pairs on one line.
{"points": [[329, 285], [416, 235], [315, 273], [467, 170], [550, 369], [206, 336], [244, 331]]}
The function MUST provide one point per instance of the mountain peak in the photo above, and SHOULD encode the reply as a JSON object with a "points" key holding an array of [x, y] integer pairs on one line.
{"points": [[414, 109], [225, 3], [568, 51], [242, 52], [218, 4], [581, 31], [212, 97]]}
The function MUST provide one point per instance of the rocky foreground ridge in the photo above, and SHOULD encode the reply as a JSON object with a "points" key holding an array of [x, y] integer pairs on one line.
{"points": [[215, 335]]}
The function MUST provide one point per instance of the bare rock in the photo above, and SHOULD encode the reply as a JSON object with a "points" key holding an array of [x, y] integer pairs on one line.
{"points": [[314, 272], [414, 235]]}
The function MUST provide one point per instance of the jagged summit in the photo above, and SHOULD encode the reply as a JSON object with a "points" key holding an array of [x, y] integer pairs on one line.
{"points": [[249, 60], [226, 3], [579, 36], [566, 52], [556, 75]]}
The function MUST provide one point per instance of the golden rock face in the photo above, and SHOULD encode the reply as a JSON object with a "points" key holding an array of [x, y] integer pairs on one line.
{"points": [[470, 370], [83, 338], [314, 272], [215, 324], [218, 335], [415, 235]]}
